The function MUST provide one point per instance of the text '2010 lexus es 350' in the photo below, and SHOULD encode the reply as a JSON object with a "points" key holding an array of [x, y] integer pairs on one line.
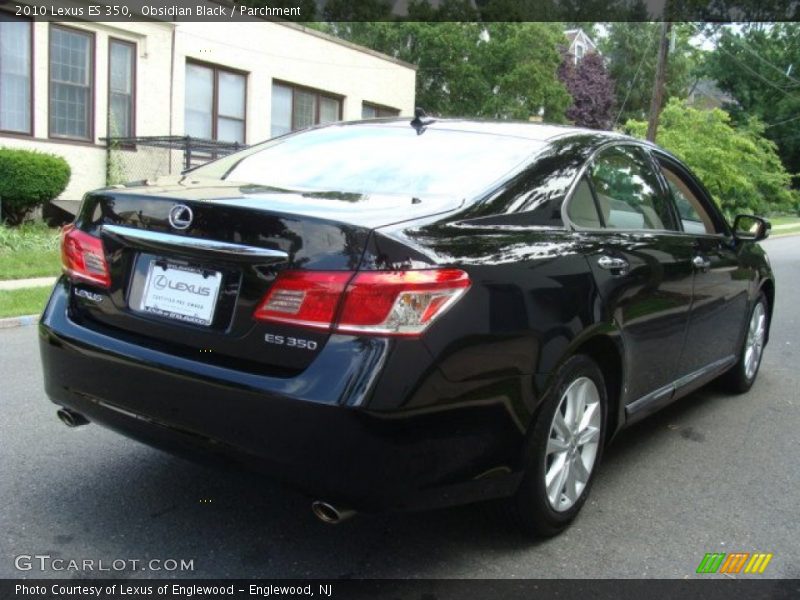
{"points": [[391, 316]]}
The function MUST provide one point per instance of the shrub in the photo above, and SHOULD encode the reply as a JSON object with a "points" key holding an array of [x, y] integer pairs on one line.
{"points": [[29, 179]]}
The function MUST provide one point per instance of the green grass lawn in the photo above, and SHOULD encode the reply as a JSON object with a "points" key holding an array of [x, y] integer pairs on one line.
{"points": [[31, 250], [27, 301], [784, 225]]}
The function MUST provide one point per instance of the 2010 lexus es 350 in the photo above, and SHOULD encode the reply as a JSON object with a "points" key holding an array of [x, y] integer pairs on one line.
{"points": [[389, 315]]}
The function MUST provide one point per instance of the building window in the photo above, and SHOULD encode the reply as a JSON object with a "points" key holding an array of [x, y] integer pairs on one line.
{"points": [[15, 74], [121, 81], [71, 83], [375, 111], [215, 103], [296, 108], [580, 50]]}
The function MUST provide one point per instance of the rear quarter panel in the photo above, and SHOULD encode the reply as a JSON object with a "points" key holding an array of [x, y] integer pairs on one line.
{"points": [[532, 300]]}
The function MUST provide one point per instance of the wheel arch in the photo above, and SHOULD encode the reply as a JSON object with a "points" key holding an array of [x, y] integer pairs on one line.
{"points": [[768, 288], [604, 345], [606, 351]]}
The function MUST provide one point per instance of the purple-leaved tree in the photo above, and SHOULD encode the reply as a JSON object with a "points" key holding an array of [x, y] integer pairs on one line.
{"points": [[592, 91]]}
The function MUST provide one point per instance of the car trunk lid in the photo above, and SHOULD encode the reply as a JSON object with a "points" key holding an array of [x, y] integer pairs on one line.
{"points": [[215, 248]]}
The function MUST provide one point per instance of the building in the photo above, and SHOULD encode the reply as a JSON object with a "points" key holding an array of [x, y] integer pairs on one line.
{"points": [[579, 44], [706, 95], [66, 87]]}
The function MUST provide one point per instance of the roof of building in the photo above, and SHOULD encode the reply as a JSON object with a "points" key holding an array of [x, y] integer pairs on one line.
{"points": [[573, 34]]}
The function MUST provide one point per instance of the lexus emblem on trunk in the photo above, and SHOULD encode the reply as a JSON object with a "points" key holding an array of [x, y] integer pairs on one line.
{"points": [[180, 216]]}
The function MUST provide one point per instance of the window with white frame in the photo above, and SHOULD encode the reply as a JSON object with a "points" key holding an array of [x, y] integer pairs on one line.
{"points": [[580, 50], [15, 74]]}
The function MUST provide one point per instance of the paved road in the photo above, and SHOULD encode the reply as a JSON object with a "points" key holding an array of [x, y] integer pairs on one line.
{"points": [[709, 474]]}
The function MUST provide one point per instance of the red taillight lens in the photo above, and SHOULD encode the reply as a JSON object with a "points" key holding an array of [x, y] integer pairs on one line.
{"points": [[83, 257], [377, 302], [307, 298], [399, 302]]}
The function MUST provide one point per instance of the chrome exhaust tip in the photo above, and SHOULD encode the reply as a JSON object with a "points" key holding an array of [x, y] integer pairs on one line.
{"points": [[328, 513], [70, 418]]}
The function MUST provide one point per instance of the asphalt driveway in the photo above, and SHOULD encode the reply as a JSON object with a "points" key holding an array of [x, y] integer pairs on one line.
{"points": [[711, 473]]}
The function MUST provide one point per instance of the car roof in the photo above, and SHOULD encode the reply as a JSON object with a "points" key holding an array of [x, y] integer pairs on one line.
{"points": [[531, 130]]}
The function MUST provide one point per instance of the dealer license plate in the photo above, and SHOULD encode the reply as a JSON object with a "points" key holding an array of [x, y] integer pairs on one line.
{"points": [[179, 292]]}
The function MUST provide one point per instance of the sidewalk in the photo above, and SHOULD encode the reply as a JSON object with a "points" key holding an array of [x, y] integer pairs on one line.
{"points": [[18, 284]]}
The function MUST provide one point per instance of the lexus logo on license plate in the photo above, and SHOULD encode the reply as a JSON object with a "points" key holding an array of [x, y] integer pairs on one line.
{"points": [[180, 216]]}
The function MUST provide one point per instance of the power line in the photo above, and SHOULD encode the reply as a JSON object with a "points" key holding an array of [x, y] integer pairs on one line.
{"points": [[741, 41], [784, 91], [782, 122], [635, 77], [746, 67]]}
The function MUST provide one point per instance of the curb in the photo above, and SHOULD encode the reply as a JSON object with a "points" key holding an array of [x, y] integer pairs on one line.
{"points": [[28, 282], [23, 321]]}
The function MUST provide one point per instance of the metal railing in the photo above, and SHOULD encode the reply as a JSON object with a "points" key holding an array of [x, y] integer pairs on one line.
{"points": [[149, 157]]}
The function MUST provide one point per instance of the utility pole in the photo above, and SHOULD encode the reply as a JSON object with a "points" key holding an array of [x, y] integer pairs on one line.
{"points": [[658, 85]]}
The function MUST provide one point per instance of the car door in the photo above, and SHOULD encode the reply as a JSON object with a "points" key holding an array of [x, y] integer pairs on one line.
{"points": [[642, 266], [719, 305]]}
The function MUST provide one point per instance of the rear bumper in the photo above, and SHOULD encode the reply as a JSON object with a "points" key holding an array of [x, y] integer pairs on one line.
{"points": [[312, 431]]}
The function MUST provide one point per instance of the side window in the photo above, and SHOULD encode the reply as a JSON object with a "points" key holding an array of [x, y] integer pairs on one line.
{"points": [[694, 217], [628, 190], [582, 210]]}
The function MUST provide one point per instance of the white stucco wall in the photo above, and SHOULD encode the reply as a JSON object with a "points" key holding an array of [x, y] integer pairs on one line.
{"points": [[264, 50], [268, 51]]}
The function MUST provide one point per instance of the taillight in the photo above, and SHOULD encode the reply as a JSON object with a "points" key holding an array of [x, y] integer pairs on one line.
{"points": [[399, 302], [83, 257], [307, 298], [375, 302]]}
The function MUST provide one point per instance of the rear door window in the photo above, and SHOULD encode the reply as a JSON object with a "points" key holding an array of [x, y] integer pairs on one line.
{"points": [[694, 218], [628, 191]]}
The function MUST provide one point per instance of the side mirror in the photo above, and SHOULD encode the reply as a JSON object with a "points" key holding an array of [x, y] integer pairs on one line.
{"points": [[750, 227]]}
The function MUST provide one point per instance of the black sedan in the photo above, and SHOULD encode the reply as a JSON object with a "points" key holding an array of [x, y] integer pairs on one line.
{"points": [[391, 316]]}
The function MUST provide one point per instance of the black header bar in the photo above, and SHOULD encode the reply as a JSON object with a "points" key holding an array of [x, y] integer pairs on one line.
{"points": [[407, 589], [307, 11]]}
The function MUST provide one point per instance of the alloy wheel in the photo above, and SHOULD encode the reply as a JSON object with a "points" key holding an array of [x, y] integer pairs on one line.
{"points": [[754, 344], [573, 444]]}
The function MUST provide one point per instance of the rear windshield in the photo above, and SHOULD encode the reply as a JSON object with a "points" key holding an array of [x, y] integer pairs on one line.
{"points": [[377, 159]]}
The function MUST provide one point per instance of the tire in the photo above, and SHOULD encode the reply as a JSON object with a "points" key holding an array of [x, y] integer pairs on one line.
{"points": [[741, 376], [532, 510]]}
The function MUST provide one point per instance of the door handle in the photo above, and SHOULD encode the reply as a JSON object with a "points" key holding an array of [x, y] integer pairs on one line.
{"points": [[701, 263], [612, 263]]}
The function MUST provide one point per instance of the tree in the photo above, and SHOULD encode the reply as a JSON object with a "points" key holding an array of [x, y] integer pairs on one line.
{"points": [[759, 66], [631, 51], [364, 10], [494, 70], [568, 11], [739, 166], [592, 91]]}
